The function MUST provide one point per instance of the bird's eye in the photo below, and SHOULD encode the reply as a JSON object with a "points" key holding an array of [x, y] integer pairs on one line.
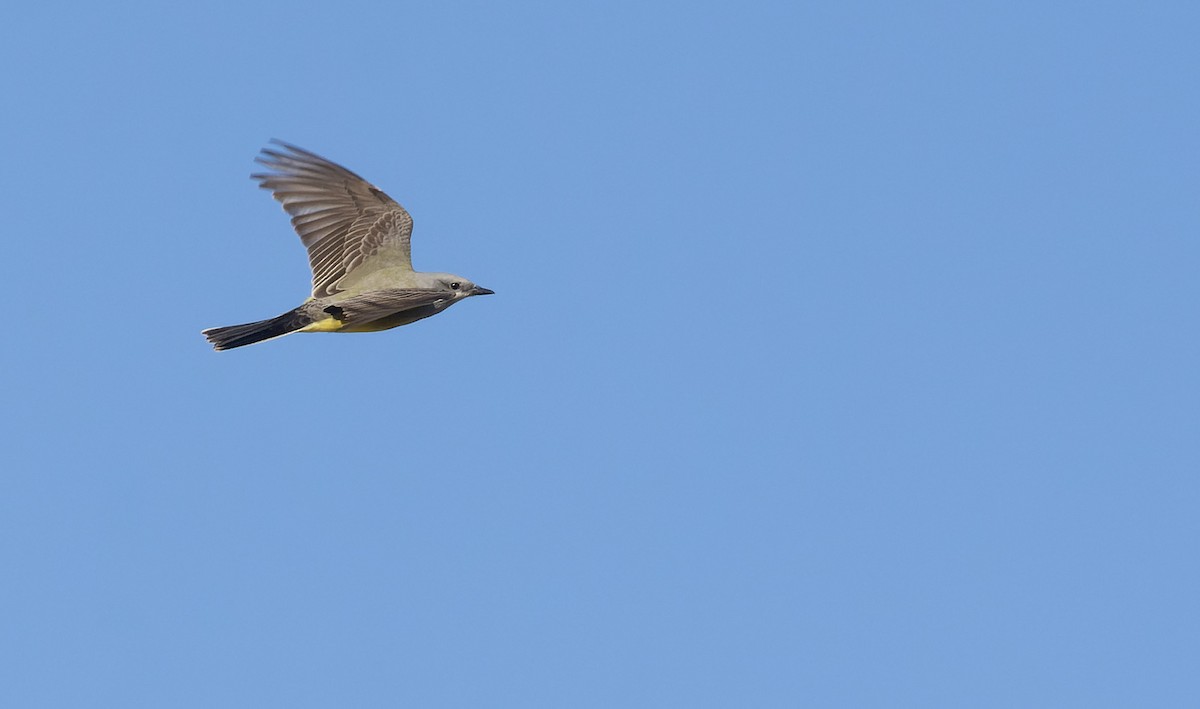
{"points": [[455, 285]]}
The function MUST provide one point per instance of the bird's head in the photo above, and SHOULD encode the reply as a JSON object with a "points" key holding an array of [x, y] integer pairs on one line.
{"points": [[461, 287]]}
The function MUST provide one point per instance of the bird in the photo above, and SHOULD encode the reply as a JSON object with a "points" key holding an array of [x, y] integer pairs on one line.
{"points": [[358, 240]]}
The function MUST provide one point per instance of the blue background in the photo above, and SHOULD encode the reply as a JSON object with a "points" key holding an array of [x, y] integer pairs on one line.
{"points": [[843, 354]]}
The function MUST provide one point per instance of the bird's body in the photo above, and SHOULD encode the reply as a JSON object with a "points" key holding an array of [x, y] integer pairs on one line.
{"points": [[358, 246]]}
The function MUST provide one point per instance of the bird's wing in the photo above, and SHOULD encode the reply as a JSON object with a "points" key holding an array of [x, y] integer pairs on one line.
{"points": [[342, 219], [382, 303]]}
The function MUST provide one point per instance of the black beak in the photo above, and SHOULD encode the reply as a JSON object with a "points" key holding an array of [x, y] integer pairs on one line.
{"points": [[480, 290]]}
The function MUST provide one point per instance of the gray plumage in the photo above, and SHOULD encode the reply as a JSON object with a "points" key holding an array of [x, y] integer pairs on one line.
{"points": [[358, 242]]}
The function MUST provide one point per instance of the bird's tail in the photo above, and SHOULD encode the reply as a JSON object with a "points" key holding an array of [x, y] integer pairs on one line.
{"points": [[226, 338]]}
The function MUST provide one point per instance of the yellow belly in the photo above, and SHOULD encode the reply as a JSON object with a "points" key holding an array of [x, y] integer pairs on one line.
{"points": [[335, 325], [326, 325]]}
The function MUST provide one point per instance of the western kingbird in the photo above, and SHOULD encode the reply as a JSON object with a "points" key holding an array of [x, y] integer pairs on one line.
{"points": [[358, 246]]}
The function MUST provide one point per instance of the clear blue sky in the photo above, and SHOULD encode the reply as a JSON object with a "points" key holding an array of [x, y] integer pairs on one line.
{"points": [[843, 355]]}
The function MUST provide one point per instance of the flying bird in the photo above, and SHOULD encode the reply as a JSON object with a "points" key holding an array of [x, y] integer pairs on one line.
{"points": [[358, 247]]}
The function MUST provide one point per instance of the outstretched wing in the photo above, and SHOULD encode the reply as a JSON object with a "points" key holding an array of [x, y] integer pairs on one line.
{"points": [[343, 220]]}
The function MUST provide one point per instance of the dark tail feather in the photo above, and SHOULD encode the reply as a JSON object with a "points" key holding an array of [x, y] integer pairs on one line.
{"points": [[226, 338]]}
